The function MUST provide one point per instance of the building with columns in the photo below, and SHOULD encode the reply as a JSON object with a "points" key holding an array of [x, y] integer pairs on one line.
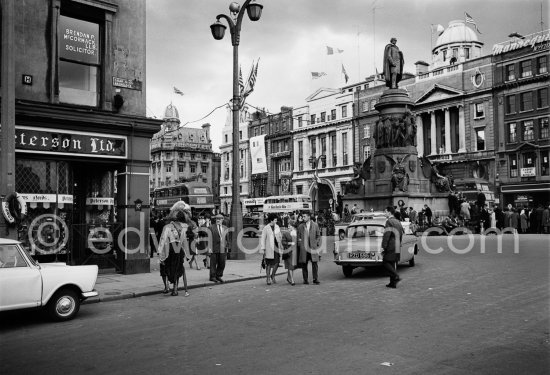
{"points": [[226, 151], [323, 145]]}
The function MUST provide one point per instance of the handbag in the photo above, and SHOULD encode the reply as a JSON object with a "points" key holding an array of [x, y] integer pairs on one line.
{"points": [[263, 263]]}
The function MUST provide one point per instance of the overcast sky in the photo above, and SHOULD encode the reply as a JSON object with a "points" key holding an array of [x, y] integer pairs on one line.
{"points": [[291, 38]]}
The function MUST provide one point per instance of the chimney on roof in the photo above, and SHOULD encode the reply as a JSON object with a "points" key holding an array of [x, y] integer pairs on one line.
{"points": [[421, 67]]}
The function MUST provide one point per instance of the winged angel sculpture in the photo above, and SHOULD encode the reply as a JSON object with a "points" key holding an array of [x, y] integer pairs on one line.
{"points": [[400, 177]]}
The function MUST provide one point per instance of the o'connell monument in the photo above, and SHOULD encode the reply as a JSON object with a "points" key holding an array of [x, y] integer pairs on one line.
{"points": [[395, 172]]}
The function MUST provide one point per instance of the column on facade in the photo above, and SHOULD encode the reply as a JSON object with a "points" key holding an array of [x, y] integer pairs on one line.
{"points": [[329, 150], [339, 151], [419, 135], [307, 152], [350, 146], [433, 133], [296, 155], [447, 131], [461, 130]]}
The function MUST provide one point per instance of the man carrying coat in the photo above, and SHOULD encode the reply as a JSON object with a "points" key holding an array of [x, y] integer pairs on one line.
{"points": [[309, 240], [391, 242], [218, 256]]}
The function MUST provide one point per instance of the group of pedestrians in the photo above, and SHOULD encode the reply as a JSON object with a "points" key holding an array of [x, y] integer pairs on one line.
{"points": [[180, 238], [297, 247], [523, 220]]}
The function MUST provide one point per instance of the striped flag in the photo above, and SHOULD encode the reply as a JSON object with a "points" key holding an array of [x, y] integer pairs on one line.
{"points": [[469, 19], [250, 82], [315, 75], [178, 91], [345, 73], [241, 82]]}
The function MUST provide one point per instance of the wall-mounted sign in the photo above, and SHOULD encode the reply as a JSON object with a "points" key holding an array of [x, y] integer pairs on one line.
{"points": [[26, 79], [537, 42], [132, 84], [62, 142], [528, 172], [78, 40], [100, 201]]}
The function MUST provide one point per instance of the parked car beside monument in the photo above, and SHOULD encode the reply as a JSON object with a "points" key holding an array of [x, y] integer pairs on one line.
{"points": [[361, 246], [57, 287]]}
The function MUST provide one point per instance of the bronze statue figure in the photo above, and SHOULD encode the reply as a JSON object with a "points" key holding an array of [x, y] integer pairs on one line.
{"points": [[400, 177], [393, 64]]}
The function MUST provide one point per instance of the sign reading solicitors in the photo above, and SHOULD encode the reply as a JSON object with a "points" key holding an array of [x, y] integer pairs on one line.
{"points": [[69, 143], [78, 40]]}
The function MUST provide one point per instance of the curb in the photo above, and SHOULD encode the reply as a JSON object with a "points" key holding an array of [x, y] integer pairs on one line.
{"points": [[119, 297]]}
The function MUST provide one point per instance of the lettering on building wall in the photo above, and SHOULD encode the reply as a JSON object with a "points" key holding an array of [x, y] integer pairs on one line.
{"points": [[534, 42], [32, 140], [78, 40]]}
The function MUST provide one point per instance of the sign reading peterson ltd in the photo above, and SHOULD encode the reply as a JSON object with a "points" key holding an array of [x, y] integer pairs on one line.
{"points": [[69, 143]]}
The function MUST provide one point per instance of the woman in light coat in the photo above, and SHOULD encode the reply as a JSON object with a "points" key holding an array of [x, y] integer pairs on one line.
{"points": [[270, 242]]}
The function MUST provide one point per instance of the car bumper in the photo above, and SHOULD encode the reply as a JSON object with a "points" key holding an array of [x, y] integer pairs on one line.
{"points": [[93, 293], [358, 263]]}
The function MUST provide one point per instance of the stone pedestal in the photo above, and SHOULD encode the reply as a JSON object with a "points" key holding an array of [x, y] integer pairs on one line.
{"points": [[394, 173]]}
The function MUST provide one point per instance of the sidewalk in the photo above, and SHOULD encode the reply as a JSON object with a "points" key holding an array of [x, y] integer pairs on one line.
{"points": [[112, 287]]}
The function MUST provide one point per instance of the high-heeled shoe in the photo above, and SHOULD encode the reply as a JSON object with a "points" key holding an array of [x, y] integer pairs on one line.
{"points": [[273, 280], [268, 282], [290, 282], [175, 292], [166, 290]]}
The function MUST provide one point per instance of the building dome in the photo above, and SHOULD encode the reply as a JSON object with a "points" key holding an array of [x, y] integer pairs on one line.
{"points": [[171, 113], [457, 32]]}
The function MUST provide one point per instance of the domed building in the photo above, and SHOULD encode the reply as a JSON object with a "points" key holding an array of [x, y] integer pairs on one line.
{"points": [[457, 43], [180, 155]]}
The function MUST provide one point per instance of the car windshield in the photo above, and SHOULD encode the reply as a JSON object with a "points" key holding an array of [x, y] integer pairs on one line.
{"points": [[358, 231]]}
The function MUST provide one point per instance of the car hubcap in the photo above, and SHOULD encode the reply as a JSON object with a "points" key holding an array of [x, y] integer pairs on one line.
{"points": [[65, 305]]}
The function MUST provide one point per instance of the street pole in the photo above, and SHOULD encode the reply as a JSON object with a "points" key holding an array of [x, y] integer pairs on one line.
{"points": [[7, 124], [218, 29]]}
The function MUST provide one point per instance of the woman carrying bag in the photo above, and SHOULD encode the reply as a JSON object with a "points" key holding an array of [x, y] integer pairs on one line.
{"points": [[270, 243]]}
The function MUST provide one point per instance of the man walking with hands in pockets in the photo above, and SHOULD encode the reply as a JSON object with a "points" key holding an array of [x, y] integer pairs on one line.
{"points": [[309, 240], [391, 242]]}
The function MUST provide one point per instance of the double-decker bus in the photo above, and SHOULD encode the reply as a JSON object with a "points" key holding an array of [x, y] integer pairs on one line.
{"points": [[197, 194], [287, 203]]}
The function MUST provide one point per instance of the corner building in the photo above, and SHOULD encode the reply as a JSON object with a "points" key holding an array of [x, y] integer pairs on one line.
{"points": [[82, 136]]}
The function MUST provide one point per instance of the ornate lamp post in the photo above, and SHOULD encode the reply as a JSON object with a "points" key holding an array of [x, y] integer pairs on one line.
{"points": [[254, 11], [314, 162]]}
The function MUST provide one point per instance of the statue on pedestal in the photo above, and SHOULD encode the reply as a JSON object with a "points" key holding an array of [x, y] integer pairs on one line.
{"points": [[400, 177], [393, 64]]}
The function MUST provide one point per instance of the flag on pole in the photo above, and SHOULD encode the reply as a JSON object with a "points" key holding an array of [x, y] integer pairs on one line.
{"points": [[331, 50], [250, 82], [178, 91], [345, 73], [315, 75], [241, 82], [469, 19]]}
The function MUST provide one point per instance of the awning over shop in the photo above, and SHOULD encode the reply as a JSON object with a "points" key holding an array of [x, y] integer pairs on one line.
{"points": [[520, 188]]}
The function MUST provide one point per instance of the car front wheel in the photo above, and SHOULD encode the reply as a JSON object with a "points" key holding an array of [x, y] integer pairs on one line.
{"points": [[348, 271], [64, 305], [341, 234], [411, 262]]}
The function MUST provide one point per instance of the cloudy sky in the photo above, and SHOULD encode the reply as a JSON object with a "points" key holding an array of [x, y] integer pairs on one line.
{"points": [[290, 40]]}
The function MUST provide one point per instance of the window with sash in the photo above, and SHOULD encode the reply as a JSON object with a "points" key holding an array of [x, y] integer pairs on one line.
{"points": [[510, 72], [525, 67]]}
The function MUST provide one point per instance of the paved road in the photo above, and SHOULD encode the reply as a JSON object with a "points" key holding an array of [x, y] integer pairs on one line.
{"points": [[477, 313]]}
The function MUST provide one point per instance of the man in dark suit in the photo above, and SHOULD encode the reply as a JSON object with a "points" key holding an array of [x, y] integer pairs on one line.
{"points": [[391, 246], [309, 240], [218, 256]]}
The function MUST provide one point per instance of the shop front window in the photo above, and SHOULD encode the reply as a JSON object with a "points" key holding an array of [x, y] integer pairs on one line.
{"points": [[79, 62]]}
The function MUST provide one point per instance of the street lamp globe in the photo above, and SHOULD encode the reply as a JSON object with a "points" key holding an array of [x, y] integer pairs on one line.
{"points": [[254, 11], [234, 7], [218, 30]]}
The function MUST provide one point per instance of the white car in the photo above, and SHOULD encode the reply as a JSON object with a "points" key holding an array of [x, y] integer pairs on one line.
{"points": [[362, 245], [59, 288]]}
